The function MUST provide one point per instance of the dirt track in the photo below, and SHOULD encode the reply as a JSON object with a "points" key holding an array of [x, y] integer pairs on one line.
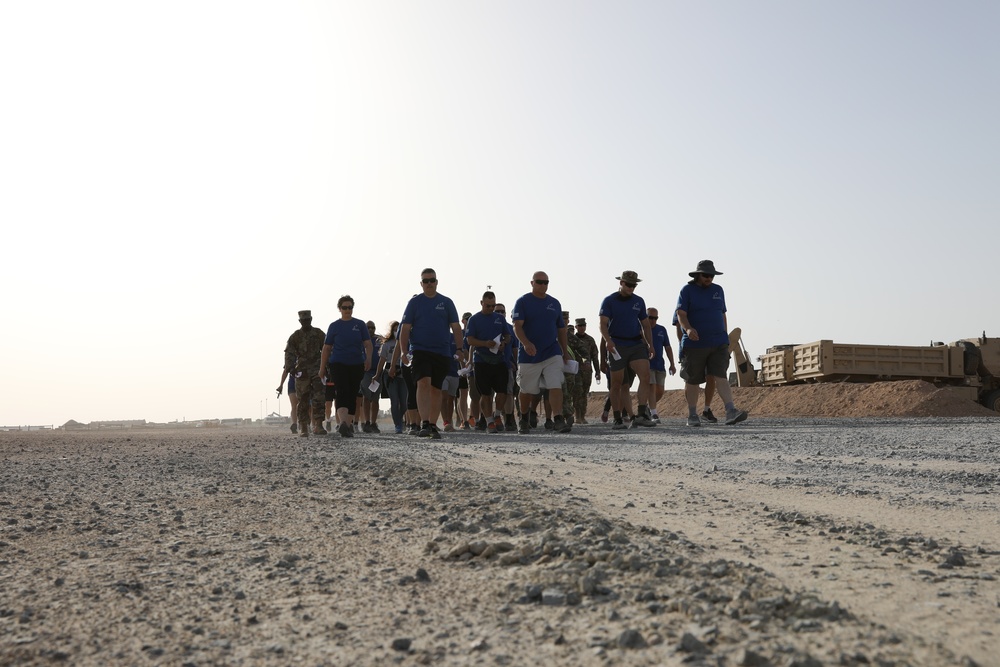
{"points": [[774, 542]]}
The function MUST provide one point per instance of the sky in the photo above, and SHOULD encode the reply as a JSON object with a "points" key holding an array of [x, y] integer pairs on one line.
{"points": [[178, 179]]}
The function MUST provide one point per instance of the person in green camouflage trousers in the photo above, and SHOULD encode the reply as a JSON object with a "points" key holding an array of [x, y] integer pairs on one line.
{"points": [[589, 358], [302, 358], [570, 386]]}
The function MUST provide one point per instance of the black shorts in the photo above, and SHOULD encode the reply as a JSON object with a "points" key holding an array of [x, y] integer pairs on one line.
{"points": [[428, 364], [347, 377], [331, 393], [698, 362], [491, 378]]}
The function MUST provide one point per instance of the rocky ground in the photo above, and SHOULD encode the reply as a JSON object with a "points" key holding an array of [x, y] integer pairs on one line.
{"points": [[775, 542]]}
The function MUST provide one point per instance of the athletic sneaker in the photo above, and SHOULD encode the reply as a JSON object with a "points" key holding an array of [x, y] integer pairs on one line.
{"points": [[707, 415], [548, 424], [498, 422], [511, 425], [481, 424], [604, 416], [345, 430], [655, 417], [525, 426], [735, 416], [414, 429], [366, 427], [618, 424], [491, 427], [642, 420], [533, 419], [448, 428], [465, 426], [375, 428], [560, 425], [399, 429], [435, 434], [694, 421], [425, 432]]}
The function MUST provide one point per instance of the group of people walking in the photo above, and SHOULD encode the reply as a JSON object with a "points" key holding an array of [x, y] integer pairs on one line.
{"points": [[430, 360]]}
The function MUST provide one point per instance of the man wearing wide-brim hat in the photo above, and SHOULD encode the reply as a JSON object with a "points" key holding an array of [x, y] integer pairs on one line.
{"points": [[625, 328], [704, 349]]}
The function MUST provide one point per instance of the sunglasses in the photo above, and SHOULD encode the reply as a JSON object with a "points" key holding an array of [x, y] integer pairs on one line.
{"points": [[428, 281], [540, 282], [654, 317], [347, 307], [632, 285], [500, 312]]}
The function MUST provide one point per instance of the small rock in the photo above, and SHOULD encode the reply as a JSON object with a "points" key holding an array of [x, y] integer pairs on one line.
{"points": [[691, 644], [402, 644], [631, 639]]}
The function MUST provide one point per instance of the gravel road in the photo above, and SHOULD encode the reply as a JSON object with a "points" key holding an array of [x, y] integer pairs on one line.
{"points": [[775, 542]]}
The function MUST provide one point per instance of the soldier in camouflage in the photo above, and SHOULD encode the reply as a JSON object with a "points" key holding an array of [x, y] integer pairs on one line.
{"points": [[302, 358], [589, 359], [570, 390]]}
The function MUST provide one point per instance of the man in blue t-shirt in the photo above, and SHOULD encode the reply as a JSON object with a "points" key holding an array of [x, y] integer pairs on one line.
{"points": [[626, 331], [488, 336], [539, 326], [657, 365], [425, 327], [701, 313]]}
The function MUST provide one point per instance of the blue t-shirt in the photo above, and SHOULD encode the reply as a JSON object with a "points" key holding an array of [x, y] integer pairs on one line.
{"points": [[487, 327], [542, 319], [625, 315], [661, 340], [706, 310], [430, 319], [347, 338]]}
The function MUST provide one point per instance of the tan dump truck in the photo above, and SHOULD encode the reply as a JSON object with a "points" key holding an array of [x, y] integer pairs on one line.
{"points": [[971, 365]]}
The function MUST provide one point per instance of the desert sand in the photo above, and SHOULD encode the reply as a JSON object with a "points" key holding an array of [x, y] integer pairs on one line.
{"points": [[832, 539]]}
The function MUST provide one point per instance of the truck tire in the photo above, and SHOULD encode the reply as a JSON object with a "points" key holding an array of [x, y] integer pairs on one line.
{"points": [[992, 400]]}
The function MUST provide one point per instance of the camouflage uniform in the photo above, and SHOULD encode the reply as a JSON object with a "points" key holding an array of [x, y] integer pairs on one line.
{"points": [[588, 356], [571, 381], [302, 356]]}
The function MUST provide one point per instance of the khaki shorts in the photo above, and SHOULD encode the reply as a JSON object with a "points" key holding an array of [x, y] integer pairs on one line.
{"points": [[548, 373], [657, 378]]}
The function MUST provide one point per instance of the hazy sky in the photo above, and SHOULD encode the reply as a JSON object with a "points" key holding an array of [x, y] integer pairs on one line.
{"points": [[177, 179]]}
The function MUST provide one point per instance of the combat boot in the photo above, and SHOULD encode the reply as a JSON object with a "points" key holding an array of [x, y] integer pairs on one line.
{"points": [[303, 430], [318, 428]]}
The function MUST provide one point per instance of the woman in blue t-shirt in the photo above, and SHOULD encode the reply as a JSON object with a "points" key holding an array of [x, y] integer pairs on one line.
{"points": [[348, 347]]}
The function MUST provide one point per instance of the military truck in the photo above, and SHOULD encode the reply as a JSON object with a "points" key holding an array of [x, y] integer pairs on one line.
{"points": [[971, 365]]}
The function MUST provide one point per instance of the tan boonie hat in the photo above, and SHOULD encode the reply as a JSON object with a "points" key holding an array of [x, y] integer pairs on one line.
{"points": [[581, 322], [305, 314], [629, 277]]}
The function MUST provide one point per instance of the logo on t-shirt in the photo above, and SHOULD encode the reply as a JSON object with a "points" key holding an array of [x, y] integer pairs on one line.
{"points": [[551, 306], [440, 306], [635, 307]]}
